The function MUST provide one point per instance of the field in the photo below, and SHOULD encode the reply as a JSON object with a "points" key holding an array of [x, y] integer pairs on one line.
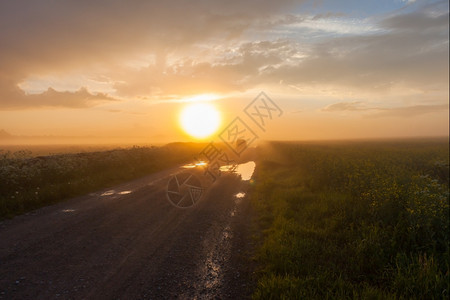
{"points": [[333, 220], [365, 220], [28, 181]]}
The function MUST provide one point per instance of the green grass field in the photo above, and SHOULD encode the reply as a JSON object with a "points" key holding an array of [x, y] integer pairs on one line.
{"points": [[28, 182], [367, 220]]}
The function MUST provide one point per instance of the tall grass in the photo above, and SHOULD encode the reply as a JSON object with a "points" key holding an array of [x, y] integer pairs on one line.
{"points": [[356, 220], [28, 182]]}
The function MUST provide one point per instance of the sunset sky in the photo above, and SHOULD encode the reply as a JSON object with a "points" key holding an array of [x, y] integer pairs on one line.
{"points": [[124, 70]]}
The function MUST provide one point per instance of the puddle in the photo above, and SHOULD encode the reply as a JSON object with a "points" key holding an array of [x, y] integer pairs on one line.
{"points": [[191, 166], [245, 170], [227, 168], [240, 195], [108, 193], [238, 199], [125, 192], [114, 192], [213, 271]]}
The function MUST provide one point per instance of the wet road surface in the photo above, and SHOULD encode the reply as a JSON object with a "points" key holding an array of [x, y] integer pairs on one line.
{"points": [[129, 242]]}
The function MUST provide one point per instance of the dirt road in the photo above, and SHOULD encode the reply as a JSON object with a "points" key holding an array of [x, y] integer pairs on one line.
{"points": [[129, 242]]}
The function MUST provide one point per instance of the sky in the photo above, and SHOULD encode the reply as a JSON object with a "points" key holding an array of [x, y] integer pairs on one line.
{"points": [[115, 70]]}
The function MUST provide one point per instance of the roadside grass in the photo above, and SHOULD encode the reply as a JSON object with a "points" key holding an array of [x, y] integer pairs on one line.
{"points": [[27, 183], [356, 220]]}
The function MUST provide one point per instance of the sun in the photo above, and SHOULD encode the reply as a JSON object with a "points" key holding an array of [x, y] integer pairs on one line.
{"points": [[200, 120]]}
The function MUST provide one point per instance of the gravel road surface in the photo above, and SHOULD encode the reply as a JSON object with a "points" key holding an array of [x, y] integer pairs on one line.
{"points": [[129, 242]]}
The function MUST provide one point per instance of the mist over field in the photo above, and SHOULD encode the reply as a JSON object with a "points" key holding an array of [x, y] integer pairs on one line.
{"points": [[249, 149]]}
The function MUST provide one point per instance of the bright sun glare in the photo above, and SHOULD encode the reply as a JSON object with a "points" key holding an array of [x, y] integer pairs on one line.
{"points": [[200, 120]]}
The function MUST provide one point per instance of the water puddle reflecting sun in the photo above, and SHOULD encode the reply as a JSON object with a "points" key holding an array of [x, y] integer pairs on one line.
{"points": [[114, 192], [191, 166], [244, 170], [108, 193], [125, 193]]}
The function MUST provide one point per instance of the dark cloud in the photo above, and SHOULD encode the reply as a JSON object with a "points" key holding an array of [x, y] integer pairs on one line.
{"points": [[417, 21], [410, 50], [187, 77], [431, 16], [374, 62], [39, 33], [44, 36], [82, 98]]}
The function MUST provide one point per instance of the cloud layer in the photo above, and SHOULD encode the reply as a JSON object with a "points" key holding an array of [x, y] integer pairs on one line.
{"points": [[150, 50]]}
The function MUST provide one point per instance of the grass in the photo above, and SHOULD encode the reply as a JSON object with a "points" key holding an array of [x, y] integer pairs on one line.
{"points": [[27, 182], [353, 220]]}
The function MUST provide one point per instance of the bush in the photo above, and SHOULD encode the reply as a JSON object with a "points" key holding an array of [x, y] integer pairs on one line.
{"points": [[27, 182]]}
